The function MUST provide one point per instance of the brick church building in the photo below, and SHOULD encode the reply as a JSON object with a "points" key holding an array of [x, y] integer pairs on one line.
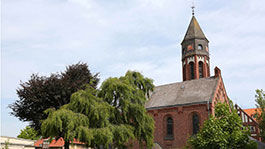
{"points": [[179, 109]]}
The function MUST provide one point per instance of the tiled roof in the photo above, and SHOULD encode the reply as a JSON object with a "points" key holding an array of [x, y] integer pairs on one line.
{"points": [[182, 93], [251, 112], [55, 143]]}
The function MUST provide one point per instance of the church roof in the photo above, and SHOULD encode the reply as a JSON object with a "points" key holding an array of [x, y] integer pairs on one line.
{"points": [[183, 93], [194, 30]]}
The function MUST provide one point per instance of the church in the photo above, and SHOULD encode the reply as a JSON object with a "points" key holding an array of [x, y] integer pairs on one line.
{"points": [[179, 109]]}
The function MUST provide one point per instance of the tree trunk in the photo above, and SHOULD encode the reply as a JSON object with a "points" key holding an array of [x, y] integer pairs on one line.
{"points": [[66, 144]]}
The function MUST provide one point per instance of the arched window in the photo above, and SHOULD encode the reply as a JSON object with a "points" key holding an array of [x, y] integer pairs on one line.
{"points": [[191, 70], [195, 123], [201, 69], [169, 127], [200, 47]]}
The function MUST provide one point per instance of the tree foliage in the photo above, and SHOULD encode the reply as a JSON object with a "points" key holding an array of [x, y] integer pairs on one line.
{"points": [[260, 104], [112, 115], [222, 131], [40, 92], [28, 133]]}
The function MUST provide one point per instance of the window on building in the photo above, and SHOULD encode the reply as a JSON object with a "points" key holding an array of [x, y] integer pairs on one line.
{"points": [[195, 123], [191, 70], [252, 129], [200, 47], [201, 69], [169, 127]]}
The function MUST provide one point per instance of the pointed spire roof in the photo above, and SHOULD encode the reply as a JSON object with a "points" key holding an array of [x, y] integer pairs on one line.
{"points": [[194, 30]]}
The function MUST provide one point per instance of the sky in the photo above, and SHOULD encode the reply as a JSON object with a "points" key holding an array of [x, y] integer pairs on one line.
{"points": [[44, 36]]}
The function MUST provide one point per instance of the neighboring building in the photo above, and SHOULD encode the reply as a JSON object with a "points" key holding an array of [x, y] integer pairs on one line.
{"points": [[252, 112], [248, 117], [16, 143], [58, 144]]}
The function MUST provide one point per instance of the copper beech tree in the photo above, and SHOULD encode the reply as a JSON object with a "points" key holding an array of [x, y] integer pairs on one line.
{"points": [[113, 115], [40, 93]]}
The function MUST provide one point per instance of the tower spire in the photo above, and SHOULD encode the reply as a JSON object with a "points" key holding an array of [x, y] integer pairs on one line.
{"points": [[195, 52]]}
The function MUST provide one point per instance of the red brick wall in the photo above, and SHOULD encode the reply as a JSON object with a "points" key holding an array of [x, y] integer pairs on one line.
{"points": [[186, 70], [182, 127], [220, 94]]}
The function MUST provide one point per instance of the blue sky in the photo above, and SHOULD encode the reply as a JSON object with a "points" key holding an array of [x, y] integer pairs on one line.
{"points": [[44, 36]]}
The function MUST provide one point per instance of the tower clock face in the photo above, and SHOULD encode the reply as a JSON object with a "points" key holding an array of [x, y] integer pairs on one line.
{"points": [[190, 47], [206, 48]]}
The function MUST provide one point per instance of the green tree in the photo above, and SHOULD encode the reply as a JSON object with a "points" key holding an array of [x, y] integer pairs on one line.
{"points": [[224, 130], [40, 92], [260, 104], [112, 115], [28, 133]]}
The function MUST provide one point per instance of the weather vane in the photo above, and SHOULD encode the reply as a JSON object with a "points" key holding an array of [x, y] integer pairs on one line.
{"points": [[193, 7]]}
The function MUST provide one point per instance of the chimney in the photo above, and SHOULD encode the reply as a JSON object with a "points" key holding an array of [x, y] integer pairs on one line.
{"points": [[217, 72]]}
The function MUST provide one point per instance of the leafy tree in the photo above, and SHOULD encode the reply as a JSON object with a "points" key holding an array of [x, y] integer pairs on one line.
{"points": [[28, 133], [40, 92], [260, 115], [222, 131], [112, 115]]}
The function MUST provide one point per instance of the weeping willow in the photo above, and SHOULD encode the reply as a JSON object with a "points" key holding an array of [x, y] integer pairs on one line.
{"points": [[113, 115]]}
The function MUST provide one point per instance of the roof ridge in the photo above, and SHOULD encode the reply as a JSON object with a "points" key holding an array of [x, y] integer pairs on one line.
{"points": [[211, 77], [251, 108]]}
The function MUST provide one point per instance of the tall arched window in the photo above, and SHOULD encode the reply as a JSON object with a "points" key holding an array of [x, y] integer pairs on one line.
{"points": [[201, 69], [195, 123], [191, 70], [169, 127]]}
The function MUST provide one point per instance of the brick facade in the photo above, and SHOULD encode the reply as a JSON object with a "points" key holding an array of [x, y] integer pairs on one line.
{"points": [[182, 123], [182, 119]]}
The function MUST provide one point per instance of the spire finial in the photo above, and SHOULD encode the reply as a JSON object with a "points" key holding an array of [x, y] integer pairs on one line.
{"points": [[193, 7]]}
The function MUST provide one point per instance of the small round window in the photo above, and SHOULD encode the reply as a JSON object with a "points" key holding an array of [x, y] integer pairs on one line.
{"points": [[200, 47]]}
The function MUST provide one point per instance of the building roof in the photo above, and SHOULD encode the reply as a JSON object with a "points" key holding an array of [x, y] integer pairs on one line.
{"points": [[55, 143], [251, 112], [194, 30], [183, 93]]}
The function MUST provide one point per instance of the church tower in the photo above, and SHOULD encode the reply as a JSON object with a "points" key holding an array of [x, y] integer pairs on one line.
{"points": [[195, 53]]}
